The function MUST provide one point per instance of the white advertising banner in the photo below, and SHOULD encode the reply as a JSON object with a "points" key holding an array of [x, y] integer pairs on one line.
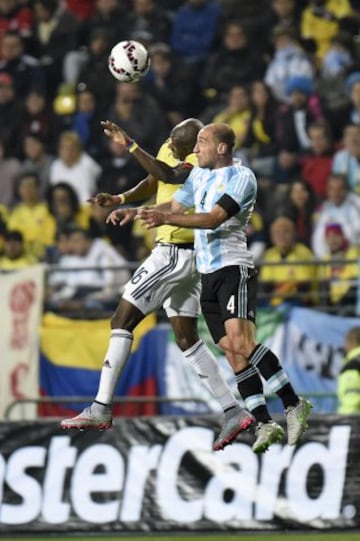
{"points": [[21, 304]]}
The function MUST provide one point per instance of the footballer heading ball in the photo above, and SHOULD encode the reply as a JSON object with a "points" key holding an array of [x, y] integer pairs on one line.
{"points": [[129, 61]]}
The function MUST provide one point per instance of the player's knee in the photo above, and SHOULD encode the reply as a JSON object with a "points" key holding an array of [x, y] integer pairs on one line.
{"points": [[126, 317], [185, 342], [240, 345]]}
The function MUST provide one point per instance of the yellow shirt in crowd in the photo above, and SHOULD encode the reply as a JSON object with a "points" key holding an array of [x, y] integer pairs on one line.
{"points": [[287, 277], [321, 29], [239, 122], [37, 226], [15, 264], [341, 277]]}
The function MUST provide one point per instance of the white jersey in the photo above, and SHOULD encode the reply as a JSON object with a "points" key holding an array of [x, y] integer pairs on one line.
{"points": [[226, 245]]}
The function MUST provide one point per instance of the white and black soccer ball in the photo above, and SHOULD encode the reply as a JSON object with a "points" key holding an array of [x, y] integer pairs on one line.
{"points": [[129, 61]]}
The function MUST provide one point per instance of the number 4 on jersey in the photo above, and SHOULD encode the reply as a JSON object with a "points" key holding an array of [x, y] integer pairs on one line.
{"points": [[230, 307]]}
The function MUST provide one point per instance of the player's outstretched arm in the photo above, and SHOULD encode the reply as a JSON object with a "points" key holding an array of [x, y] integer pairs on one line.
{"points": [[145, 189], [201, 220], [156, 168]]}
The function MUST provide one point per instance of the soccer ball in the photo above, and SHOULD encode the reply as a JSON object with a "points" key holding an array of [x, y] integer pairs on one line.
{"points": [[129, 61]]}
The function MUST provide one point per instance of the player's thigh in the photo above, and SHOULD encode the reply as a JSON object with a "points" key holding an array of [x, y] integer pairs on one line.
{"points": [[237, 293], [210, 307], [184, 297], [155, 279]]}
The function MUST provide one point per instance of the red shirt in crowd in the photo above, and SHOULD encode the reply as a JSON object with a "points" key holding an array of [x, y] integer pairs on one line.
{"points": [[316, 170]]}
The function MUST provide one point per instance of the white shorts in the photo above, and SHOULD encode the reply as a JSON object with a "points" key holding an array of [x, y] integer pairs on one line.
{"points": [[168, 278]]}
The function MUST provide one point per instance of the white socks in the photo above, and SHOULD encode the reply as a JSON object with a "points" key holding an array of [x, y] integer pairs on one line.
{"points": [[116, 356], [207, 368], [199, 356]]}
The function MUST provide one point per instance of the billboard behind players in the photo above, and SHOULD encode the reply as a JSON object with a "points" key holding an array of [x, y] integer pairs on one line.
{"points": [[160, 474]]}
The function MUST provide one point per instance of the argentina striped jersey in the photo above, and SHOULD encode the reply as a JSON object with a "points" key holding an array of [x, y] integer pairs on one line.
{"points": [[226, 245]]}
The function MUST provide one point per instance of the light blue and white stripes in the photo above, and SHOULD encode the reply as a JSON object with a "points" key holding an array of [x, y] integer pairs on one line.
{"points": [[225, 245]]}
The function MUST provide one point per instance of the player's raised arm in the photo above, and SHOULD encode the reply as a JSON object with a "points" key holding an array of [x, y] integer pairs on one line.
{"points": [[156, 168]]}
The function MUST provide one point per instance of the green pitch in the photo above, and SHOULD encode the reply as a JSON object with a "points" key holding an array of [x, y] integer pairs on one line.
{"points": [[223, 536]]}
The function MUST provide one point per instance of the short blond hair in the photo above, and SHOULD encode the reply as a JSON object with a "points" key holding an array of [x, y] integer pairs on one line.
{"points": [[71, 137]]}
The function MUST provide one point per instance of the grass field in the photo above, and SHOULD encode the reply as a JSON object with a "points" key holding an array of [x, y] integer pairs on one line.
{"points": [[280, 536]]}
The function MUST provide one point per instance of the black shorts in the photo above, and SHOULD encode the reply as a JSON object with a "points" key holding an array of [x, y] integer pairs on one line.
{"points": [[228, 293]]}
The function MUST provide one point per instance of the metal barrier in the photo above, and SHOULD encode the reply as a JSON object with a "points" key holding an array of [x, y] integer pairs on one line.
{"points": [[314, 293], [318, 400], [23, 402], [322, 402]]}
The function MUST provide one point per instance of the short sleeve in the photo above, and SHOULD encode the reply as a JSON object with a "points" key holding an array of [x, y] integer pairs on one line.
{"points": [[242, 186], [185, 194]]}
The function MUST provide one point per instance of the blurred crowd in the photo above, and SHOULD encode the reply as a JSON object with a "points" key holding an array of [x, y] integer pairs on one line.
{"points": [[285, 74]]}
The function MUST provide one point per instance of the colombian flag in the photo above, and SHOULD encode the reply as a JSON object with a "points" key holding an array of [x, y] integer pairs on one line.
{"points": [[71, 356]]}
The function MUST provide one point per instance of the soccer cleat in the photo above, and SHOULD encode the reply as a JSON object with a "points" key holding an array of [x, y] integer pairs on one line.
{"points": [[296, 420], [267, 434], [86, 420], [241, 420]]}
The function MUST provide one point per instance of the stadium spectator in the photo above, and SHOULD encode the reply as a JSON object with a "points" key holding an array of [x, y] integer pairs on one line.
{"points": [[94, 73], [138, 113], [36, 117], [260, 140], [123, 238], [75, 167], [147, 16], [14, 256], [86, 122], [236, 62], [289, 61], [90, 283], [120, 171], [236, 114], [26, 71], [11, 112], [110, 19], [284, 13], [169, 82], [31, 217], [316, 164], [338, 276], [320, 22], [352, 85], [257, 16], [292, 122], [338, 59], [9, 169], [56, 33], [299, 206], [14, 15], [334, 84], [65, 207], [346, 160], [194, 29], [286, 282], [37, 159], [348, 390], [82, 9], [341, 207]]}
